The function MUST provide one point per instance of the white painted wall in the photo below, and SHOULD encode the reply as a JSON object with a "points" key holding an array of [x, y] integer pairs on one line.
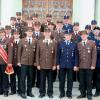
{"points": [[83, 11], [8, 9]]}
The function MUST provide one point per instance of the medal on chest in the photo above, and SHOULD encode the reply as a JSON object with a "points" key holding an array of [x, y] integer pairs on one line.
{"points": [[62, 50], [88, 50], [52, 50]]}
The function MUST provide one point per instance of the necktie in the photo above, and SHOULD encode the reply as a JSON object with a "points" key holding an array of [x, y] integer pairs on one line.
{"points": [[13, 27], [16, 42], [58, 31], [67, 43], [84, 43], [47, 43], [37, 35], [75, 33], [29, 41]]}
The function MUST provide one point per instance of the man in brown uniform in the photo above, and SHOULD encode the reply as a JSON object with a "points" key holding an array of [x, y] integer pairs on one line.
{"points": [[4, 81], [87, 62], [20, 24], [26, 59], [58, 35], [38, 35], [59, 32], [13, 59], [12, 24], [8, 31], [47, 21], [46, 62], [35, 17]]}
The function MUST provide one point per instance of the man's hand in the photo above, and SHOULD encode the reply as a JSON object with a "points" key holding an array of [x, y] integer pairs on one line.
{"points": [[54, 68], [92, 68], [58, 67], [38, 67], [75, 68], [19, 64]]}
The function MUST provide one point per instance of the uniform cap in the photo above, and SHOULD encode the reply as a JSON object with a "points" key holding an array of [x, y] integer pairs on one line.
{"points": [[93, 22], [66, 17], [88, 27], [18, 13]]}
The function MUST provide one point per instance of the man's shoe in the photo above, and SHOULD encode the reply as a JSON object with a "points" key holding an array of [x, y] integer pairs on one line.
{"points": [[23, 96], [81, 96], [30, 94], [70, 97], [61, 96], [12, 93], [41, 96], [18, 92], [5, 94], [1, 93], [50, 96], [89, 98]]}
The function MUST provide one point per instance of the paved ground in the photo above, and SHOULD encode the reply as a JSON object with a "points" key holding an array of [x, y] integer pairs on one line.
{"points": [[56, 94]]}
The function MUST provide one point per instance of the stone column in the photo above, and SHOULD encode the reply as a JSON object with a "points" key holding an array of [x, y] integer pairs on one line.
{"points": [[97, 11]]}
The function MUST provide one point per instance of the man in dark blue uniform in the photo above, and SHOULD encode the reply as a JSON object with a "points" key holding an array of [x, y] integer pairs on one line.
{"points": [[67, 60], [93, 24], [97, 70], [94, 36], [89, 31], [67, 25]]}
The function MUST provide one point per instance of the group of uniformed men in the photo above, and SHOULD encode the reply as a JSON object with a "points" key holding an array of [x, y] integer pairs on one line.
{"points": [[36, 51]]}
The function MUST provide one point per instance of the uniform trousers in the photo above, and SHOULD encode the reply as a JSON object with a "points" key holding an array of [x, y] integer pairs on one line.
{"points": [[97, 78], [46, 73], [17, 70], [26, 73], [62, 78], [4, 80], [85, 76]]}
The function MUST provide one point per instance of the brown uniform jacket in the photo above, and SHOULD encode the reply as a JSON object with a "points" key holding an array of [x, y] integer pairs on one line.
{"points": [[5, 44], [76, 37], [13, 53], [26, 52], [41, 36], [87, 55], [58, 36], [46, 55]]}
